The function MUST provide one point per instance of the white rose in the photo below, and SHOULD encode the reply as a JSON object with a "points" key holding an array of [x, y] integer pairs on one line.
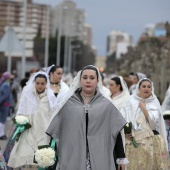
{"points": [[21, 119]]}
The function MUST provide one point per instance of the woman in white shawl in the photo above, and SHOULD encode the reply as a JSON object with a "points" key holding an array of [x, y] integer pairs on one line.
{"points": [[58, 86], [119, 91], [148, 129], [119, 95], [37, 104]]}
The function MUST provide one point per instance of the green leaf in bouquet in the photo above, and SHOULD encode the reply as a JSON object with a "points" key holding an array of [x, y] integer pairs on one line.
{"points": [[166, 117], [135, 144], [14, 120], [43, 146], [27, 125], [128, 128]]}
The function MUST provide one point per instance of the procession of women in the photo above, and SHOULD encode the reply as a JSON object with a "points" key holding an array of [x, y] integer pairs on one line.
{"points": [[85, 123]]}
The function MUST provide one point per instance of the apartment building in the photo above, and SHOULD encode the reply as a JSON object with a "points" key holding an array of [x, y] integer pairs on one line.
{"points": [[69, 19], [12, 15], [118, 42]]}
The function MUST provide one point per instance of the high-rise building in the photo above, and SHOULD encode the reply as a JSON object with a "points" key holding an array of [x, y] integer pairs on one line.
{"points": [[67, 18], [87, 34], [12, 15], [154, 30], [118, 42]]}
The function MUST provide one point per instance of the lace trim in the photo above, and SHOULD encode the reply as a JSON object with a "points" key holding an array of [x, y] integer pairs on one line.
{"points": [[122, 161]]}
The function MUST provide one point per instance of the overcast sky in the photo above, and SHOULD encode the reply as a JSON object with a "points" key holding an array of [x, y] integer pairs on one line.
{"points": [[125, 15]]}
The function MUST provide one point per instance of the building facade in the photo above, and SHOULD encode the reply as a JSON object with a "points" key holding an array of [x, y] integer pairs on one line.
{"points": [[88, 35], [68, 19], [12, 15], [118, 42]]}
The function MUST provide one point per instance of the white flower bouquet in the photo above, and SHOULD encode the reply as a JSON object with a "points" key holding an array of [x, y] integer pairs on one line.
{"points": [[20, 119], [128, 130], [22, 123], [45, 157]]}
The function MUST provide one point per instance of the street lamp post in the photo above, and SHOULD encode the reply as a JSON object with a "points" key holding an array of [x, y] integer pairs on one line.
{"points": [[72, 56], [24, 38], [59, 36], [75, 51], [47, 39]]}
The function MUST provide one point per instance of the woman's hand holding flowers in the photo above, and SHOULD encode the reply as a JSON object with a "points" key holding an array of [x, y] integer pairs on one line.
{"points": [[22, 123], [128, 133], [128, 136]]}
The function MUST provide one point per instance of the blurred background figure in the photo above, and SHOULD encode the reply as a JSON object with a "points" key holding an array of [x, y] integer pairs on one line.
{"points": [[131, 75], [67, 78], [166, 101], [166, 116], [126, 78], [119, 91], [24, 80], [5, 98], [138, 76], [104, 85], [15, 90]]}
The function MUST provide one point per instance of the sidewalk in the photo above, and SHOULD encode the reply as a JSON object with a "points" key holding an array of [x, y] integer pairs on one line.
{"points": [[8, 131]]}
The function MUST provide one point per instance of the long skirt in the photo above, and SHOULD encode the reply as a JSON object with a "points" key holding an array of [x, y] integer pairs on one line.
{"points": [[151, 154]]}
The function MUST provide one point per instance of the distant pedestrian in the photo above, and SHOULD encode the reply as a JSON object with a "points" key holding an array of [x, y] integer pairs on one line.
{"points": [[24, 80], [166, 116], [5, 97], [166, 101], [136, 77]]}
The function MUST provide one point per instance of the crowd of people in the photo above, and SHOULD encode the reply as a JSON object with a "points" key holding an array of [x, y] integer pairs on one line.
{"points": [[87, 119]]}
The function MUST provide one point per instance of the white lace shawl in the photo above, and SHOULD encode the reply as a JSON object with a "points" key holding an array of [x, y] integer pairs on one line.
{"points": [[63, 90], [152, 99], [123, 96], [28, 101]]}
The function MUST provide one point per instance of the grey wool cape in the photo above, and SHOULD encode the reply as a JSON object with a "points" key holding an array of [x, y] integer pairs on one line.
{"points": [[68, 128]]}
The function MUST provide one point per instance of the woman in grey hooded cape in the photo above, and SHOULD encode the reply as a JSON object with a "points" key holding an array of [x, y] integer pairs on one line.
{"points": [[86, 132]]}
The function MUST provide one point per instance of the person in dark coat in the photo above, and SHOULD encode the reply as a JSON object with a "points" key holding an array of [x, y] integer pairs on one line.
{"points": [[5, 96]]}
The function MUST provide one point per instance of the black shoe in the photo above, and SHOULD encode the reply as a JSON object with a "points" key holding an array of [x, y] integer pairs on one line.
{"points": [[3, 137]]}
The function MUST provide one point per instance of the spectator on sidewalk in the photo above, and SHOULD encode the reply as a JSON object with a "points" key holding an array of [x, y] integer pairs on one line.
{"points": [[5, 95]]}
